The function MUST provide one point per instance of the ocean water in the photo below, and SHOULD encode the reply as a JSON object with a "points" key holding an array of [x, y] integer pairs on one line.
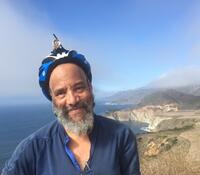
{"points": [[19, 121]]}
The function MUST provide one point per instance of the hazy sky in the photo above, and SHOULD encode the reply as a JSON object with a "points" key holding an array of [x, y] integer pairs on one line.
{"points": [[129, 43]]}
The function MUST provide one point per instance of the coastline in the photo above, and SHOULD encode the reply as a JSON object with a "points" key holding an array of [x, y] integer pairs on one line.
{"points": [[171, 143], [157, 120]]}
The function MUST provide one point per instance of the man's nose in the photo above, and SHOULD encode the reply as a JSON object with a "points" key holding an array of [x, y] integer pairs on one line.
{"points": [[72, 98]]}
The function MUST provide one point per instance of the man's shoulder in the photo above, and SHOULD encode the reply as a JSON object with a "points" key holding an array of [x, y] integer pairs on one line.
{"points": [[110, 124], [39, 137], [44, 134], [31, 146], [47, 132], [115, 130]]}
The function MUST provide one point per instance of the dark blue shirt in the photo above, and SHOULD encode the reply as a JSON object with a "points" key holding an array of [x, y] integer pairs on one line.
{"points": [[45, 152]]}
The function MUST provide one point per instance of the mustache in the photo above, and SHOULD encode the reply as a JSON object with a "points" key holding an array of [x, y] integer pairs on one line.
{"points": [[76, 106], [84, 105]]}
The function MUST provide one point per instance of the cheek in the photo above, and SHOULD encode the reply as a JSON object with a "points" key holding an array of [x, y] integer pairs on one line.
{"points": [[86, 96], [89, 97], [58, 103]]}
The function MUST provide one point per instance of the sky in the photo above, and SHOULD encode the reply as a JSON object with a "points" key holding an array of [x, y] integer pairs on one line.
{"points": [[129, 43]]}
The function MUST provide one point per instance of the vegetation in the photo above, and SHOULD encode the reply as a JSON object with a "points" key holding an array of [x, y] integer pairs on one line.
{"points": [[165, 153]]}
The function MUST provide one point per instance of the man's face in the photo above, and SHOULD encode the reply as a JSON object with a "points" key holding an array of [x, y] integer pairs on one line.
{"points": [[72, 97]]}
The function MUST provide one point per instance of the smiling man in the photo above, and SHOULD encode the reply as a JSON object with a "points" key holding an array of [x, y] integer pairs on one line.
{"points": [[79, 141]]}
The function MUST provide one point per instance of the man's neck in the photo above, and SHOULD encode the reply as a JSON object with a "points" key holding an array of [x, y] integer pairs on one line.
{"points": [[78, 138], [80, 145]]}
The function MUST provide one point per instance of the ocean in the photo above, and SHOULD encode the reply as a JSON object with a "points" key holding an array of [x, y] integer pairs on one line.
{"points": [[19, 121]]}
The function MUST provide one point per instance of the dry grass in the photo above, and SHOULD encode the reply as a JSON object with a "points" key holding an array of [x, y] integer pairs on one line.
{"points": [[170, 162]]}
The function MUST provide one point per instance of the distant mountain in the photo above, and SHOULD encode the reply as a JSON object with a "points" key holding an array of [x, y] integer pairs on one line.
{"points": [[130, 96], [186, 97], [184, 101], [190, 89]]}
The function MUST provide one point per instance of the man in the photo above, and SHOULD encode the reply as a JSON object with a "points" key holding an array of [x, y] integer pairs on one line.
{"points": [[79, 141]]}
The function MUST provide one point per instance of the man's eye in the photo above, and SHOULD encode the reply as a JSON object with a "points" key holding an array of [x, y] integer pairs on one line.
{"points": [[59, 94], [80, 88]]}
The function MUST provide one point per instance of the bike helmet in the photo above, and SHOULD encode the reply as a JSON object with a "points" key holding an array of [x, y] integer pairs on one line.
{"points": [[58, 56]]}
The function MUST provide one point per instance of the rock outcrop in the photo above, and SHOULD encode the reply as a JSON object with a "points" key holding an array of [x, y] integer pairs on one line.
{"points": [[171, 152], [160, 117], [151, 114], [173, 146]]}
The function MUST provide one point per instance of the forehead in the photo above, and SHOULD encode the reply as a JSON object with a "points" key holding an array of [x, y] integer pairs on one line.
{"points": [[67, 74]]}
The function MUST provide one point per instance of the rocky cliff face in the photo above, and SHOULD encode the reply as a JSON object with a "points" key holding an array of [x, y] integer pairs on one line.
{"points": [[160, 117], [151, 114], [171, 152], [174, 149]]}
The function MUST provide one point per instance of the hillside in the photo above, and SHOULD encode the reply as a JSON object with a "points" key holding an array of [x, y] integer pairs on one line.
{"points": [[184, 101], [190, 89], [186, 97], [130, 96], [172, 152], [172, 144]]}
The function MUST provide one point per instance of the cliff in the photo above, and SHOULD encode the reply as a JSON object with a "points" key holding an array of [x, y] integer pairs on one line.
{"points": [[160, 117], [172, 146]]}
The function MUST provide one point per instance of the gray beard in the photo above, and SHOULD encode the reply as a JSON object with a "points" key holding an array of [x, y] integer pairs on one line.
{"points": [[81, 127]]}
